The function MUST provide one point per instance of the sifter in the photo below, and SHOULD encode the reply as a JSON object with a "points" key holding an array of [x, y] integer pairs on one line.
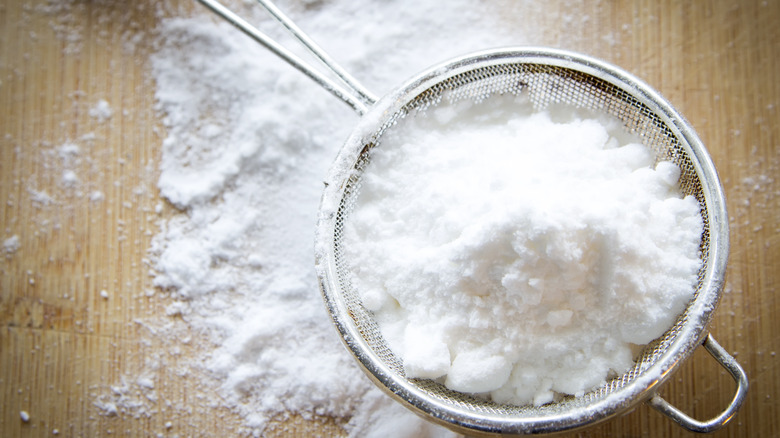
{"points": [[549, 77]]}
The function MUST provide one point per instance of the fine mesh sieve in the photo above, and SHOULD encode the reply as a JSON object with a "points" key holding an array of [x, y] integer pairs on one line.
{"points": [[548, 77]]}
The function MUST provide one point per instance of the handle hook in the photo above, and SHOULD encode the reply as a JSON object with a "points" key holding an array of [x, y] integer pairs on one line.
{"points": [[713, 424]]}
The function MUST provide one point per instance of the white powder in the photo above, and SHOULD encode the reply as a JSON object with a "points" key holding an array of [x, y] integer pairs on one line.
{"points": [[518, 253], [40, 198], [68, 152], [101, 111], [248, 142], [11, 244], [69, 178], [96, 196]]}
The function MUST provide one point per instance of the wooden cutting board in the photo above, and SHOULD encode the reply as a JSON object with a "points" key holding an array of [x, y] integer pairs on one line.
{"points": [[77, 225]]}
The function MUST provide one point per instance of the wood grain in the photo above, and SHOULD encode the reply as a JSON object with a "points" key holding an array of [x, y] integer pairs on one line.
{"points": [[62, 344]]}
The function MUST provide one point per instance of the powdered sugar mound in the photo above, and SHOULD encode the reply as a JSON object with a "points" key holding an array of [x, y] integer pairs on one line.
{"points": [[244, 131], [520, 253], [234, 132], [258, 370]]}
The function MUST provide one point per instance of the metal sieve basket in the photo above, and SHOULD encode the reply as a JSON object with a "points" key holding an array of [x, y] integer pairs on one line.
{"points": [[548, 77]]}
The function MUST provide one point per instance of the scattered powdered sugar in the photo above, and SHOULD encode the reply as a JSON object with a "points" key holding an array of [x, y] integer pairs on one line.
{"points": [[69, 178], [754, 192], [101, 111], [96, 196], [520, 253], [11, 245], [68, 152], [249, 141], [40, 198]]}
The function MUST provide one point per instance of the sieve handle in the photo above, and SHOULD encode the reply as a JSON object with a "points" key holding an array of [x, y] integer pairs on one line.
{"points": [[348, 91], [736, 371]]}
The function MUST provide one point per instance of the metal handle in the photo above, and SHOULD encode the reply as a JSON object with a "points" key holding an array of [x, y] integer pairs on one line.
{"points": [[736, 371], [352, 93]]}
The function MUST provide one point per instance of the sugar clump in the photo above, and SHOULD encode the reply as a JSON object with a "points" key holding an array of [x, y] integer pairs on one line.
{"points": [[11, 244], [520, 253], [101, 111]]}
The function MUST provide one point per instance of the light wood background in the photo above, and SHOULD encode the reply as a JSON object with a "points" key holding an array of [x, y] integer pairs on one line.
{"points": [[62, 344]]}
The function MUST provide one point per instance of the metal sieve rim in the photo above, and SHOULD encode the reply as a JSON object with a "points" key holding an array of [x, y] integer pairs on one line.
{"points": [[700, 310]]}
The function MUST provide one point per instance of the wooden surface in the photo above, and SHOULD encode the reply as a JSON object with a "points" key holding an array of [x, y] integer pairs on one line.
{"points": [[62, 344]]}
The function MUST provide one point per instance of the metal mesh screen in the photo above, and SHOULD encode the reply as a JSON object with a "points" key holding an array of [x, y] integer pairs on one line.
{"points": [[546, 85]]}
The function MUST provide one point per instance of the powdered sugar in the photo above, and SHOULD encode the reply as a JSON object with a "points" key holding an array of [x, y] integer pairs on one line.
{"points": [[11, 245], [249, 141], [101, 111], [520, 253]]}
